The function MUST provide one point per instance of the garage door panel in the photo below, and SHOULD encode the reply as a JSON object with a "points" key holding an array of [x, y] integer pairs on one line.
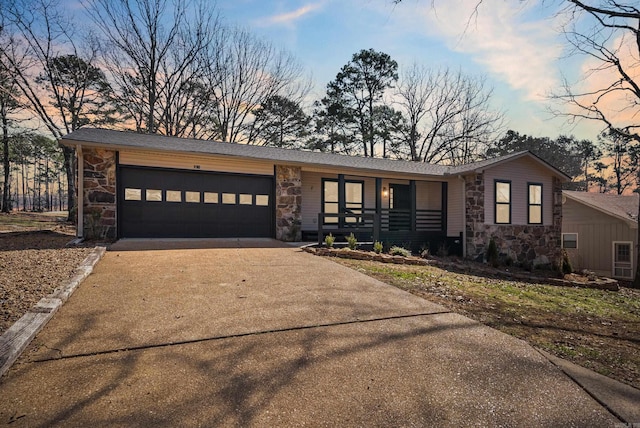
{"points": [[248, 211]]}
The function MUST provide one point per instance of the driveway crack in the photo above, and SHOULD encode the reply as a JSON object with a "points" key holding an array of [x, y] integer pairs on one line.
{"points": [[238, 335]]}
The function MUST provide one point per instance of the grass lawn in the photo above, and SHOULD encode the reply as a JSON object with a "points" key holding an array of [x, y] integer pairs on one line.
{"points": [[596, 329], [27, 221]]}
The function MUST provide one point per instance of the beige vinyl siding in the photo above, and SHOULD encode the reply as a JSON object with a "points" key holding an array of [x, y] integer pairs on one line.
{"points": [[520, 172], [455, 207], [196, 162], [596, 233]]}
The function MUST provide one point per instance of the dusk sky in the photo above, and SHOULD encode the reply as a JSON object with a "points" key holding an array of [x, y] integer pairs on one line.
{"points": [[518, 47]]}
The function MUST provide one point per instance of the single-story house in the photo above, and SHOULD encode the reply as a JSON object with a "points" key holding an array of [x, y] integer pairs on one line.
{"points": [[600, 232], [139, 185]]}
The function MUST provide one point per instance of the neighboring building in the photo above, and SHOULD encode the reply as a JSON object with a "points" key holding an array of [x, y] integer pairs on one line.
{"points": [[600, 232], [139, 185]]}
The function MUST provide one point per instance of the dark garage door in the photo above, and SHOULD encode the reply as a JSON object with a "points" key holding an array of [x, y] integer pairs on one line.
{"points": [[161, 203]]}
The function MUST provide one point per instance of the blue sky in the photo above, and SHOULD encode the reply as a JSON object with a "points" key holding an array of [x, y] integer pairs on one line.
{"points": [[516, 46]]}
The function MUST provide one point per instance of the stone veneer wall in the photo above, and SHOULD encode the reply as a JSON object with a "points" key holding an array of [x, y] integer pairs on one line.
{"points": [[99, 197], [288, 201], [525, 244]]}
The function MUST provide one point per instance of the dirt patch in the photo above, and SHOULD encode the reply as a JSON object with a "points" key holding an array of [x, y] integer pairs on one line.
{"points": [[596, 329], [33, 262]]}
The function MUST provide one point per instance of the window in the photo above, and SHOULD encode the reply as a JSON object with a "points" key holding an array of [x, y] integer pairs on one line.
{"points": [[353, 199], [569, 240], [193, 197], [535, 203], [262, 200], [246, 199], [330, 200], [622, 260], [174, 196], [132, 194], [153, 195], [503, 202], [210, 197], [229, 198]]}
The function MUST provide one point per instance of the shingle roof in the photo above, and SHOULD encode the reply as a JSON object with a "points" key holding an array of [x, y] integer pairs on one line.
{"points": [[121, 139], [621, 206]]}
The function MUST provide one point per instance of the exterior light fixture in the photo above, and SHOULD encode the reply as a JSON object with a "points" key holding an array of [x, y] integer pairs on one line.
{"points": [[385, 193]]}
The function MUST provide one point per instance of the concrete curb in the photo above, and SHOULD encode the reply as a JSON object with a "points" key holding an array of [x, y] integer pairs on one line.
{"points": [[14, 341], [621, 400]]}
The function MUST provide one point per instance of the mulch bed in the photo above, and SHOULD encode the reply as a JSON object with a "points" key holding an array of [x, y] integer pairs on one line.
{"points": [[32, 265]]}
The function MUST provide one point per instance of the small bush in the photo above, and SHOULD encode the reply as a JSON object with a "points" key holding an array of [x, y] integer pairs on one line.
{"points": [[399, 251], [377, 247], [443, 250], [492, 254], [352, 242], [424, 251], [329, 240]]}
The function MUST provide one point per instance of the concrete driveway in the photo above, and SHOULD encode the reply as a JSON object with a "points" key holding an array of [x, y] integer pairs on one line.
{"points": [[257, 333]]}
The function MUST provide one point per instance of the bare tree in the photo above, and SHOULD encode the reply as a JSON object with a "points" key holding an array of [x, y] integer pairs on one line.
{"points": [[449, 115], [9, 107], [607, 34], [243, 72], [37, 35], [152, 49]]}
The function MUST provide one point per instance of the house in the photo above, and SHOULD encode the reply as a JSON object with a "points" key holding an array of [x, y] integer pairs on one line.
{"points": [[600, 232], [139, 185]]}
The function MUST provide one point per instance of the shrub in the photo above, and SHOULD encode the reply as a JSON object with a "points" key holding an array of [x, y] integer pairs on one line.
{"points": [[377, 247], [492, 253], [329, 240], [352, 242], [399, 251], [443, 250], [424, 251], [567, 268]]}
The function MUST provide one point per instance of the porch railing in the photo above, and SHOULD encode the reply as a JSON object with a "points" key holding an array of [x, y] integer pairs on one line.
{"points": [[388, 220], [343, 223]]}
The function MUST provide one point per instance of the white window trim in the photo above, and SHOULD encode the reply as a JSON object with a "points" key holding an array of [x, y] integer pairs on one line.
{"points": [[569, 233], [613, 258]]}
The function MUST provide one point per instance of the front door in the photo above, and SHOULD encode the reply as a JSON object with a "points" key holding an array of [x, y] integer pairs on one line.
{"points": [[399, 207]]}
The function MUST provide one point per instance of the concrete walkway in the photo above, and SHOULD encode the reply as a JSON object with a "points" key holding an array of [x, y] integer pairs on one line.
{"points": [[257, 333]]}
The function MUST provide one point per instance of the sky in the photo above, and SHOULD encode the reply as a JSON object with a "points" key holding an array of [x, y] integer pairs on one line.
{"points": [[516, 46]]}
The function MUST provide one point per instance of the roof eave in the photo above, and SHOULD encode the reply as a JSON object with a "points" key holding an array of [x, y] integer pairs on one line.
{"points": [[633, 224], [372, 171]]}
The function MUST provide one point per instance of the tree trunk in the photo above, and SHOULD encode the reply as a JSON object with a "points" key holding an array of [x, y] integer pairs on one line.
{"points": [[6, 189], [24, 188]]}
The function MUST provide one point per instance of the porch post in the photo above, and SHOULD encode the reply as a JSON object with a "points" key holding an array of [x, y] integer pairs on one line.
{"points": [[378, 195], [412, 191], [377, 216], [341, 200], [443, 207]]}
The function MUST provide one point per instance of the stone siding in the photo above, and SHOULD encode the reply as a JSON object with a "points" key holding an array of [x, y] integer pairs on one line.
{"points": [[99, 199], [529, 245], [288, 203]]}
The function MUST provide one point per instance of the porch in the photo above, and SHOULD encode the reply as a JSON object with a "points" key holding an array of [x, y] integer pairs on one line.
{"points": [[408, 213]]}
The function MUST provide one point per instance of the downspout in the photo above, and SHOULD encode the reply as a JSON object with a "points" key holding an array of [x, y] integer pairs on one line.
{"points": [[80, 186], [464, 217]]}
